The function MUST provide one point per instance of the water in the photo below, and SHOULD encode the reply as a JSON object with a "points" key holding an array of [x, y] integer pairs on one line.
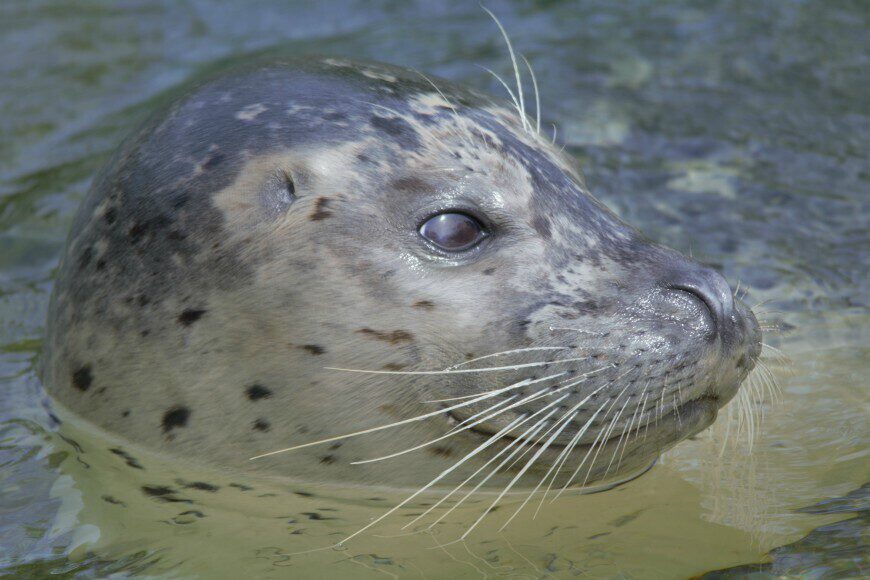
{"points": [[735, 131]]}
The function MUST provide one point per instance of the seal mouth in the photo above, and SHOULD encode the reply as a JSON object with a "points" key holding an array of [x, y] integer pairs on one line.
{"points": [[688, 419]]}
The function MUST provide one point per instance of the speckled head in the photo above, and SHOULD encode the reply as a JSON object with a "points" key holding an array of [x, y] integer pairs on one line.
{"points": [[287, 218]]}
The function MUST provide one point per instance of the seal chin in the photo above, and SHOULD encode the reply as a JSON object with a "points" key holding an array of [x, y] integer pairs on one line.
{"points": [[620, 456]]}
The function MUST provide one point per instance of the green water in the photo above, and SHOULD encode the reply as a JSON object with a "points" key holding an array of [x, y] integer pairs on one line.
{"points": [[737, 131]]}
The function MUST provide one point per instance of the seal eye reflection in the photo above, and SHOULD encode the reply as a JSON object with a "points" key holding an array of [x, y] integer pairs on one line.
{"points": [[453, 231]]}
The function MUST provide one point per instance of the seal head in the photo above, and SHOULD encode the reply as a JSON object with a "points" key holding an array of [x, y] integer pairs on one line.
{"points": [[291, 218]]}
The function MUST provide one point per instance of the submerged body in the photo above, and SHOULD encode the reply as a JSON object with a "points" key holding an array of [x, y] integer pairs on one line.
{"points": [[286, 220]]}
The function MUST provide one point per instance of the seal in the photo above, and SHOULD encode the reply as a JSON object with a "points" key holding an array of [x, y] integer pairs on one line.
{"points": [[396, 268]]}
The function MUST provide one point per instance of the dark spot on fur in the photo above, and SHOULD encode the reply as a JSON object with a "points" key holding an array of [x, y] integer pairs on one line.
{"points": [[392, 337], [441, 451], [112, 500], [157, 490], [314, 348], [257, 392], [303, 494], [334, 116], [126, 413], [190, 315], [261, 425], [327, 459], [321, 209], [241, 486], [393, 367], [200, 485], [143, 300], [394, 127], [163, 493], [411, 185], [489, 272], [101, 264], [335, 445], [175, 417], [128, 459], [214, 161], [187, 517], [424, 304], [111, 215], [85, 258], [82, 378], [145, 333], [140, 229], [181, 201], [542, 225], [315, 516]]}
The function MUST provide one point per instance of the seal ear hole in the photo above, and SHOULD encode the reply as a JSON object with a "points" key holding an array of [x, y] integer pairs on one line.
{"points": [[278, 193], [289, 185]]}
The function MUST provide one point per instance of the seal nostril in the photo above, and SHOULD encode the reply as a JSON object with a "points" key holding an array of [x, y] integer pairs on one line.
{"points": [[713, 291]]}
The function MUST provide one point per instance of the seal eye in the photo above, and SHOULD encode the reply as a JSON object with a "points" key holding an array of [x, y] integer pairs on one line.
{"points": [[452, 231]]}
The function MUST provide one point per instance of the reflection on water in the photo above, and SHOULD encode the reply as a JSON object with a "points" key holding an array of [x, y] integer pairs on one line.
{"points": [[737, 132]]}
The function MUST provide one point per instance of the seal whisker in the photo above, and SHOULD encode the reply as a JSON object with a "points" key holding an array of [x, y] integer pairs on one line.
{"points": [[586, 456], [624, 430], [537, 95], [563, 457], [602, 443], [504, 353], [517, 477], [634, 415], [778, 355], [508, 89], [601, 437], [677, 411], [525, 442], [462, 425], [546, 475], [769, 379], [643, 408], [527, 399], [535, 443], [566, 451], [521, 441], [521, 109], [463, 371], [553, 328], [495, 391], [469, 423], [461, 428], [531, 431], [516, 385], [480, 448]]}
